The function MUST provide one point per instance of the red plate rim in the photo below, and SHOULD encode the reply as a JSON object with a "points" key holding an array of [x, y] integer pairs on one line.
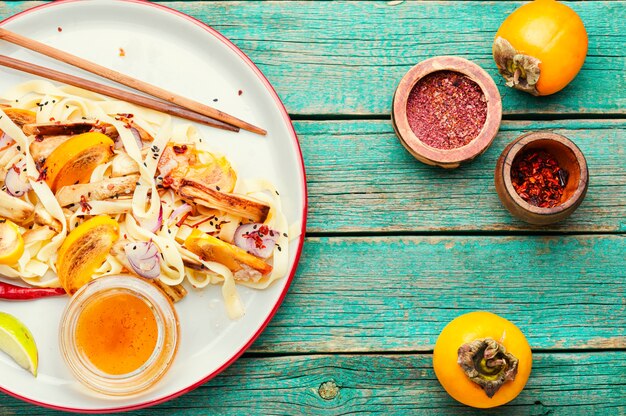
{"points": [[294, 137]]}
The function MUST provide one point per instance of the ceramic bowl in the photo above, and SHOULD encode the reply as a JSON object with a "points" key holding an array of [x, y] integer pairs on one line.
{"points": [[451, 158], [569, 158]]}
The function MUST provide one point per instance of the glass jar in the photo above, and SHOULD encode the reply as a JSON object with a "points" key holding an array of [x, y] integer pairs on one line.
{"points": [[91, 297]]}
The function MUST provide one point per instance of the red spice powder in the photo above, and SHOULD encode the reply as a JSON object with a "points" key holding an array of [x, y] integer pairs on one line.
{"points": [[446, 110], [538, 179]]}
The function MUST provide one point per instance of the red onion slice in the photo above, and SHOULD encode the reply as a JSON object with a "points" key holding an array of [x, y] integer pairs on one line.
{"points": [[16, 180], [181, 210], [144, 258], [152, 224], [135, 133], [257, 239], [6, 141], [118, 143]]}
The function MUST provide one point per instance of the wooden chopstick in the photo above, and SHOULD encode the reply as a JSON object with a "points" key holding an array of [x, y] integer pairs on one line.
{"points": [[128, 81], [113, 92]]}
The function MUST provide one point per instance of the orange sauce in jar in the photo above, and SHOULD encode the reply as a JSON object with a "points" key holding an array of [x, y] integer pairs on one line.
{"points": [[117, 333]]}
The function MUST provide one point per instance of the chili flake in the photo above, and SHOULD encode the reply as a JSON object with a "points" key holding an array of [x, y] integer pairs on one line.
{"points": [[446, 110], [84, 205], [538, 179], [168, 181], [180, 149], [203, 221], [257, 236], [43, 174], [182, 219]]}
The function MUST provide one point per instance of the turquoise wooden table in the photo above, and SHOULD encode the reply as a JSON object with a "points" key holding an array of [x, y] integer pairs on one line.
{"points": [[396, 249]]}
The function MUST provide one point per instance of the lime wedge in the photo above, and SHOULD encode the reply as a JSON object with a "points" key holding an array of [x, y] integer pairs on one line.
{"points": [[18, 342]]}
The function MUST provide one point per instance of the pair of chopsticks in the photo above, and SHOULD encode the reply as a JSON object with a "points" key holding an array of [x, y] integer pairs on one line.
{"points": [[169, 102]]}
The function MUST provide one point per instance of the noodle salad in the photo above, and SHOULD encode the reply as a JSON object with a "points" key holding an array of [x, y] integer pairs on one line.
{"points": [[96, 187]]}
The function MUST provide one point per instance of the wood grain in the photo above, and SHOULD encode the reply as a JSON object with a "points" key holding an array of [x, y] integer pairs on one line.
{"points": [[560, 384], [361, 179], [359, 51], [397, 293], [375, 285]]}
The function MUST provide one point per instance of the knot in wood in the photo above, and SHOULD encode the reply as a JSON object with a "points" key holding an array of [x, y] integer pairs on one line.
{"points": [[328, 390]]}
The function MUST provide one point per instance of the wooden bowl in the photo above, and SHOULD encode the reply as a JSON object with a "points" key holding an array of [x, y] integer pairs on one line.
{"points": [[451, 158], [569, 158]]}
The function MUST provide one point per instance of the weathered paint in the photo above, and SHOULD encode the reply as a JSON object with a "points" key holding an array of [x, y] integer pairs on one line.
{"points": [[362, 179], [387, 294], [359, 51], [397, 293], [576, 384]]}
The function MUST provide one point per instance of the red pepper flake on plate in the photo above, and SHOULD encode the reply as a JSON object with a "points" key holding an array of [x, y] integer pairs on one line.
{"points": [[84, 204], [538, 179], [446, 110]]}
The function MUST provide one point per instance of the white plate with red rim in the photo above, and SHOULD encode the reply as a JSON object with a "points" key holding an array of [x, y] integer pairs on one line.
{"points": [[174, 51]]}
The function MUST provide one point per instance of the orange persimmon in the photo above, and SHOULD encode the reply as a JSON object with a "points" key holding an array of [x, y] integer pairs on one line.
{"points": [[74, 160], [482, 360], [540, 47], [84, 250]]}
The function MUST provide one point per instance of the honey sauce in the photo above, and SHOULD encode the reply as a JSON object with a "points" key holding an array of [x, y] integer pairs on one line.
{"points": [[117, 333]]}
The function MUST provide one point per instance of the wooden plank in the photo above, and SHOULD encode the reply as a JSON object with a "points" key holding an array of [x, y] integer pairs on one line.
{"points": [[564, 383], [359, 51], [397, 293], [347, 57], [361, 179]]}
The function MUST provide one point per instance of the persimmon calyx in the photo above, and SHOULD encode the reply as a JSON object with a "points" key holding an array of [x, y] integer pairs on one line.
{"points": [[486, 363], [520, 71]]}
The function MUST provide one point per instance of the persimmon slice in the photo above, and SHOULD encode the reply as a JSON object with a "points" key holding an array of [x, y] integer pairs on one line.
{"points": [[84, 250], [75, 159]]}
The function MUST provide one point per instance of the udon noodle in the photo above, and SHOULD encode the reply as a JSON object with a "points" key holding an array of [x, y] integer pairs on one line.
{"points": [[149, 201]]}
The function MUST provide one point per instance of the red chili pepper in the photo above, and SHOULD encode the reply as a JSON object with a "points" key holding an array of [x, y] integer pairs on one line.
{"points": [[12, 292]]}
